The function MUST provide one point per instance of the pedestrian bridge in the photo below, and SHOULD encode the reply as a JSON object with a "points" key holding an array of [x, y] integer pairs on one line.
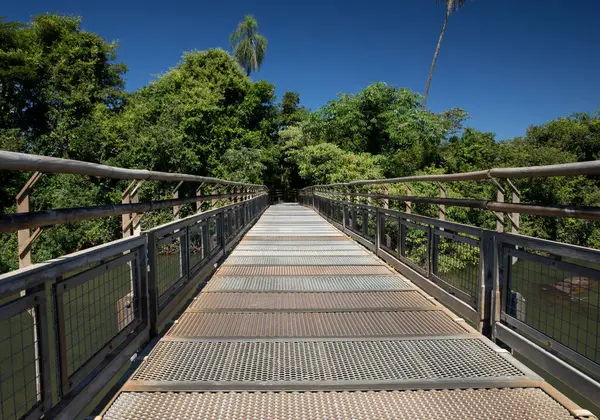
{"points": [[338, 306], [302, 322]]}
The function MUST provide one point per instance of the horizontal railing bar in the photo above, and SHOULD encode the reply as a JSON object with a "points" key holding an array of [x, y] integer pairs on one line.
{"points": [[26, 162], [558, 264], [456, 238], [563, 169], [81, 278], [575, 212], [462, 202], [552, 247], [19, 305], [28, 277], [18, 221]]}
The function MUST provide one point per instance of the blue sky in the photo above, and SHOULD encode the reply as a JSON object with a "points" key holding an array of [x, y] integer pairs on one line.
{"points": [[509, 63]]}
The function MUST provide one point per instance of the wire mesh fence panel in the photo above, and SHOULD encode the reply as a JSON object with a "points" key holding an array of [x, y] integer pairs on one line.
{"points": [[371, 220], [390, 234], [416, 244], [358, 221], [196, 245], [169, 266], [96, 306], [212, 234], [20, 364], [457, 264], [560, 299]]}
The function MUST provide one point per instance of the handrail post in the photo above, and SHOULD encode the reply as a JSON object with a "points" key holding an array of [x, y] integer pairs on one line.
{"points": [[487, 274], [378, 230], [152, 286], [442, 206], [221, 231]]}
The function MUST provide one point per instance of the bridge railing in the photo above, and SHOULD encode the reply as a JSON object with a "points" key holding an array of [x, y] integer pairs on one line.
{"points": [[540, 297], [69, 325]]}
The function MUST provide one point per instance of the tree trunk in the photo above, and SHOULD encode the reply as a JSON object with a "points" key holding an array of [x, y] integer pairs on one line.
{"points": [[435, 56]]}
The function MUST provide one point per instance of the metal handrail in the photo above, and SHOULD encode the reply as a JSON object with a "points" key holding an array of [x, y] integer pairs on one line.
{"points": [[563, 169], [26, 162], [25, 219], [493, 303]]}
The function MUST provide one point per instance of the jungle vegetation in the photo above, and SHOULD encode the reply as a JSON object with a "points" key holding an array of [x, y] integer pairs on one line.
{"points": [[62, 94]]}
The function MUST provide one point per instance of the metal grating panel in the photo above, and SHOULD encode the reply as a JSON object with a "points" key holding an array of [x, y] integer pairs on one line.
{"points": [[302, 361], [291, 270], [302, 261], [496, 404], [297, 244], [307, 284], [297, 253], [314, 324], [299, 247], [310, 301], [280, 238]]}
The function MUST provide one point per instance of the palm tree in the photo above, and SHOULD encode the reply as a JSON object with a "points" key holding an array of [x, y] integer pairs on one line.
{"points": [[248, 46], [451, 6]]}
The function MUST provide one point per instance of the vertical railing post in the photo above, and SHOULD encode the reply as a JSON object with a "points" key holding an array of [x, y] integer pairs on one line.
{"points": [[24, 242], [44, 347], [432, 252], [215, 200], [175, 195], [221, 231], [500, 199], [497, 279], [199, 202], [152, 287], [401, 237], [205, 240], [442, 206], [486, 279], [434, 244], [378, 231], [515, 218]]}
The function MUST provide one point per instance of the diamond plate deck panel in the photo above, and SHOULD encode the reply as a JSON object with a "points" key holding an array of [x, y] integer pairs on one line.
{"points": [[315, 270], [314, 324], [310, 301], [309, 361], [493, 404], [302, 261], [307, 284]]}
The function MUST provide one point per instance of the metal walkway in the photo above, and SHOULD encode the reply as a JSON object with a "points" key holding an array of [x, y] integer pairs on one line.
{"points": [[302, 322]]}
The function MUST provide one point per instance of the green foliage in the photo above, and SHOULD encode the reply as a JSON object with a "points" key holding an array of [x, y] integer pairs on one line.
{"points": [[61, 94], [388, 121], [290, 111], [249, 47], [325, 163], [242, 165]]}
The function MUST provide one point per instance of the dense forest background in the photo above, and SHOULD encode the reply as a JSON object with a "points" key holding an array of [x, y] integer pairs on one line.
{"points": [[62, 94]]}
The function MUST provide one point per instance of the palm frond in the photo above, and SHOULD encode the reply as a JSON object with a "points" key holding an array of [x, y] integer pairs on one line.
{"points": [[260, 44], [248, 46]]}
